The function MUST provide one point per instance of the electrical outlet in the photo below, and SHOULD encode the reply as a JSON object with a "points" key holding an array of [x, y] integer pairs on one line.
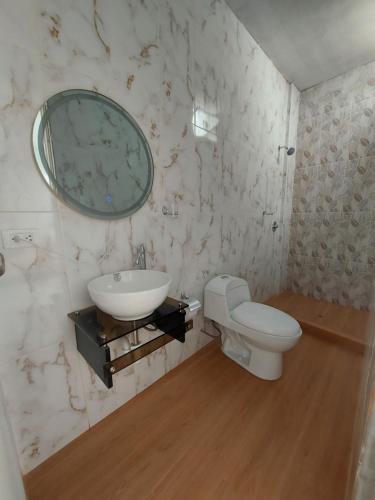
{"points": [[17, 238]]}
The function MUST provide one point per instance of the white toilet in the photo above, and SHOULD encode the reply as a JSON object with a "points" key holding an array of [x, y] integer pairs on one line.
{"points": [[255, 335]]}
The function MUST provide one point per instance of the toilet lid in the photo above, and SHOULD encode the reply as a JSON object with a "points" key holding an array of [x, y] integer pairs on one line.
{"points": [[266, 319]]}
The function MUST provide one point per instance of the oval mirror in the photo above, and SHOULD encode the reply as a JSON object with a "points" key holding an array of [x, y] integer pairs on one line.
{"points": [[92, 154]]}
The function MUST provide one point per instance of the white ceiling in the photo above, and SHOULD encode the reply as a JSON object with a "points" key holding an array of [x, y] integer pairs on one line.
{"points": [[311, 41]]}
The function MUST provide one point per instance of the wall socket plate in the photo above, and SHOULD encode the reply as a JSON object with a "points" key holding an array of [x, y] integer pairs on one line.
{"points": [[17, 238]]}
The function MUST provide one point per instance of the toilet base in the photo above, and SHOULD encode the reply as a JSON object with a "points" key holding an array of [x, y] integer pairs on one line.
{"points": [[263, 364]]}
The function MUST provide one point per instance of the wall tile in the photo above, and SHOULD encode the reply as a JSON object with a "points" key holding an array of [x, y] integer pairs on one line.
{"points": [[363, 82], [330, 234], [303, 234], [331, 187], [300, 271], [305, 189], [308, 143], [362, 137], [21, 187], [338, 194], [45, 401], [371, 243], [357, 238], [310, 103], [325, 279], [334, 134], [214, 109], [356, 286], [34, 295], [360, 183]]}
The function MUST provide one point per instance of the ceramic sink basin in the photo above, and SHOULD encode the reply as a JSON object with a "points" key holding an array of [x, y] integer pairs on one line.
{"points": [[130, 295]]}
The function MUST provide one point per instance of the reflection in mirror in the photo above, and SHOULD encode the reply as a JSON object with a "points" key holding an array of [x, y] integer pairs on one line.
{"points": [[92, 154]]}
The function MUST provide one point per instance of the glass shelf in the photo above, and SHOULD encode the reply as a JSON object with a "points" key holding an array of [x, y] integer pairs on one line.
{"points": [[96, 329], [104, 329]]}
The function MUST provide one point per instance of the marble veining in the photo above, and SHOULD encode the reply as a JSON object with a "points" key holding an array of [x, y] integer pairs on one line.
{"points": [[214, 110]]}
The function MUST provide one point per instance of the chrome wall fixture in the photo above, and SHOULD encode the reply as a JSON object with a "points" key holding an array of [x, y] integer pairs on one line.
{"points": [[171, 212], [289, 151]]}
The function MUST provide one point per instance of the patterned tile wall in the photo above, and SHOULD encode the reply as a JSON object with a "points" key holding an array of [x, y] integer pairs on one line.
{"points": [[332, 241]]}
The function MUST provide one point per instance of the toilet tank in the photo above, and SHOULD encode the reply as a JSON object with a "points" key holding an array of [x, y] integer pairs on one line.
{"points": [[222, 294]]}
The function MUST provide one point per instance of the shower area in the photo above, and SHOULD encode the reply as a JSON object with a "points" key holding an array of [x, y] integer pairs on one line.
{"points": [[331, 256], [332, 243]]}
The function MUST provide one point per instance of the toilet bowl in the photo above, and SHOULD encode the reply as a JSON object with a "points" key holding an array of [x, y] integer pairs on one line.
{"points": [[254, 335]]}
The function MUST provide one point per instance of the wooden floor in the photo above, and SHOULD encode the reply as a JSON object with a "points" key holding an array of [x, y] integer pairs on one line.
{"points": [[334, 322], [210, 430]]}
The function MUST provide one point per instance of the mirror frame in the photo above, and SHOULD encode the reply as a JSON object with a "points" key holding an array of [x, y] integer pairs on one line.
{"points": [[44, 167]]}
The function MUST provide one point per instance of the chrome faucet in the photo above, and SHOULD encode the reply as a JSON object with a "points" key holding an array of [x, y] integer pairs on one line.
{"points": [[140, 260]]}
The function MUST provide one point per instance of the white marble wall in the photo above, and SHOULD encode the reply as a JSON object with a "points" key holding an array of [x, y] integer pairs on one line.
{"points": [[214, 109], [10, 474]]}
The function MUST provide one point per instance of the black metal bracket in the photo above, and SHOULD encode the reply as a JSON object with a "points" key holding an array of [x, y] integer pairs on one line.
{"points": [[96, 356], [95, 329]]}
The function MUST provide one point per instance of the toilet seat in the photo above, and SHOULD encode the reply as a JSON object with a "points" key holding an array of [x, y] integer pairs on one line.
{"points": [[266, 319], [255, 336]]}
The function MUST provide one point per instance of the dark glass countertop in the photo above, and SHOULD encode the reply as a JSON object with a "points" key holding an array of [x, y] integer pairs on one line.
{"points": [[104, 329]]}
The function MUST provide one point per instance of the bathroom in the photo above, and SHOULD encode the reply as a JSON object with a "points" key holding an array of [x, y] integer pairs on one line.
{"points": [[254, 128]]}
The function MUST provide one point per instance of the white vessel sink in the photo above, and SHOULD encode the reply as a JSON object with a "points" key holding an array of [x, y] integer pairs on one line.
{"points": [[130, 295]]}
